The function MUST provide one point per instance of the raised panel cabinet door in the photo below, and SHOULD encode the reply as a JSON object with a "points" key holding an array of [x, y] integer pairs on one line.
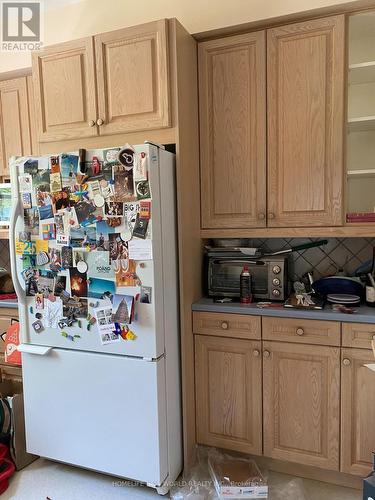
{"points": [[229, 393], [133, 78], [301, 403], [357, 411], [14, 121], [64, 90], [232, 113], [305, 111], [34, 150]]}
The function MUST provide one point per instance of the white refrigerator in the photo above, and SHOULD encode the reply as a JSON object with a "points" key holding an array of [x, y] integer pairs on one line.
{"points": [[110, 407]]}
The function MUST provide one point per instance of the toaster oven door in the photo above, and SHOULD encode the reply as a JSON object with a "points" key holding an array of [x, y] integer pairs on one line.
{"points": [[224, 277]]}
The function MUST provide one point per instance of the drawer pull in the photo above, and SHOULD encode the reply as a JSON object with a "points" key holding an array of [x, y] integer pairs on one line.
{"points": [[224, 325], [99, 121], [271, 215], [266, 354], [261, 216], [346, 361], [256, 352], [91, 123], [373, 337], [300, 331]]}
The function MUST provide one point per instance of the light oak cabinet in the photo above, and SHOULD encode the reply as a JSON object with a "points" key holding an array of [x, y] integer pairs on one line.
{"points": [[232, 97], [229, 393], [126, 70], [14, 121], [304, 142], [305, 110], [301, 403], [357, 411]]}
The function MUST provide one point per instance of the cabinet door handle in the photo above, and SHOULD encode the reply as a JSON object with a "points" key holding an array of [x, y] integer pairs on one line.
{"points": [[261, 216], [224, 325], [266, 354], [300, 331], [99, 121], [346, 361], [271, 215], [256, 353], [91, 123]]}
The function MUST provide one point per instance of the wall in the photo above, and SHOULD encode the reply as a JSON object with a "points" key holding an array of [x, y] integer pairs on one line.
{"points": [[69, 19]]}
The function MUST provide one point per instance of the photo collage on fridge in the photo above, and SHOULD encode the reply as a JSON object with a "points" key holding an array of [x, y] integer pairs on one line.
{"points": [[87, 229]]}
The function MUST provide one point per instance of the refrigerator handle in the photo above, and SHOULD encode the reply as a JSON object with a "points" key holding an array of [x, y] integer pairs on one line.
{"points": [[16, 212], [40, 350]]}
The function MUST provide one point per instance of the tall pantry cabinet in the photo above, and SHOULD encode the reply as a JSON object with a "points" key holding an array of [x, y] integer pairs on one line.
{"points": [[305, 117]]}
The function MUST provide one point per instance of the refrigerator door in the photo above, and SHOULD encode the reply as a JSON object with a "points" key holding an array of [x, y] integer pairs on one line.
{"points": [[159, 274], [98, 411]]}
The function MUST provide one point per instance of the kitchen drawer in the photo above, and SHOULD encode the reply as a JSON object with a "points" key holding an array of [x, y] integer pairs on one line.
{"points": [[301, 331], [357, 335], [239, 326]]}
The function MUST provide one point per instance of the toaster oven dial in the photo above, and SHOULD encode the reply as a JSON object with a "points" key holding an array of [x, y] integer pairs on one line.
{"points": [[276, 269], [276, 293], [276, 282]]}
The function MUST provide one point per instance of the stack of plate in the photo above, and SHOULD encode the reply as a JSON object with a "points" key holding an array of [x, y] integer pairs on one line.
{"points": [[344, 298]]}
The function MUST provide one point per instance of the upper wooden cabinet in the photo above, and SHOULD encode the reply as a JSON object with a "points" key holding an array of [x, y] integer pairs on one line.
{"points": [[228, 393], [357, 411], [133, 83], [14, 121], [301, 403], [64, 89], [305, 99], [129, 75], [232, 97]]}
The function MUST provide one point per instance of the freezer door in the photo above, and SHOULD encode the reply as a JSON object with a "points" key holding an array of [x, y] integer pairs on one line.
{"points": [[98, 411]]}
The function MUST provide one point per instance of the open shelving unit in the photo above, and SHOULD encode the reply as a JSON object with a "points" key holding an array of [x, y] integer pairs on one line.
{"points": [[361, 114]]}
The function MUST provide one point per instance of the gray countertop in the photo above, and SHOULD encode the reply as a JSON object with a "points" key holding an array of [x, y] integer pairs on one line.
{"points": [[364, 314], [9, 303]]}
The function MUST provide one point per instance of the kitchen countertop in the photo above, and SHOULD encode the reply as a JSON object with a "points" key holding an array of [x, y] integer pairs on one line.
{"points": [[364, 314], [9, 303]]}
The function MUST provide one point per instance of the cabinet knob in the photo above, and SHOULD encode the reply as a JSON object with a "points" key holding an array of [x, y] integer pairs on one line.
{"points": [[224, 325], [346, 361], [266, 354], [99, 121], [256, 352], [300, 331], [261, 216], [91, 123], [373, 337], [271, 215]]}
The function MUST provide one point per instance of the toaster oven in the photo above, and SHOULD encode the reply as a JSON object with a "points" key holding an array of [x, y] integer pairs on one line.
{"points": [[223, 269]]}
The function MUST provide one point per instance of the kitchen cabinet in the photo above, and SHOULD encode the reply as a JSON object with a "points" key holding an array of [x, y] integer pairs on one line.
{"points": [[301, 403], [127, 69], [305, 111], [14, 121], [132, 78], [228, 393], [357, 411], [303, 331], [232, 98]]}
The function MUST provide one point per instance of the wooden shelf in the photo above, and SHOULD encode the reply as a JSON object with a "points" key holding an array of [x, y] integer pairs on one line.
{"points": [[356, 229], [362, 73], [368, 172], [361, 123], [4, 233]]}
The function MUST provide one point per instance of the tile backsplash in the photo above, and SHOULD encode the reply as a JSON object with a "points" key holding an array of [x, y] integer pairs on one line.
{"points": [[339, 253]]}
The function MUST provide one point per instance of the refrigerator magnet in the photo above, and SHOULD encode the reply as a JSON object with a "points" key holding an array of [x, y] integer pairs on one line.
{"points": [[26, 200], [142, 190], [25, 182], [38, 326], [99, 200], [82, 267], [126, 156]]}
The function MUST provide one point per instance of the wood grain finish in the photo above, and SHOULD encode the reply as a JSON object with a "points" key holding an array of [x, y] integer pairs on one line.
{"points": [[348, 231], [227, 325], [357, 412], [133, 78], [301, 331], [14, 121], [358, 335], [64, 90], [32, 119], [232, 85], [228, 393], [305, 82], [301, 403]]}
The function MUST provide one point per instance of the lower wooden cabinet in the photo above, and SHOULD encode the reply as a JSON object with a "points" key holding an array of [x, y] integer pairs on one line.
{"points": [[301, 403], [357, 411], [229, 393]]}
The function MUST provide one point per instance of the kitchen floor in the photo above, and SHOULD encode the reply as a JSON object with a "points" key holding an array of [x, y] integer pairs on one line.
{"points": [[44, 479]]}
